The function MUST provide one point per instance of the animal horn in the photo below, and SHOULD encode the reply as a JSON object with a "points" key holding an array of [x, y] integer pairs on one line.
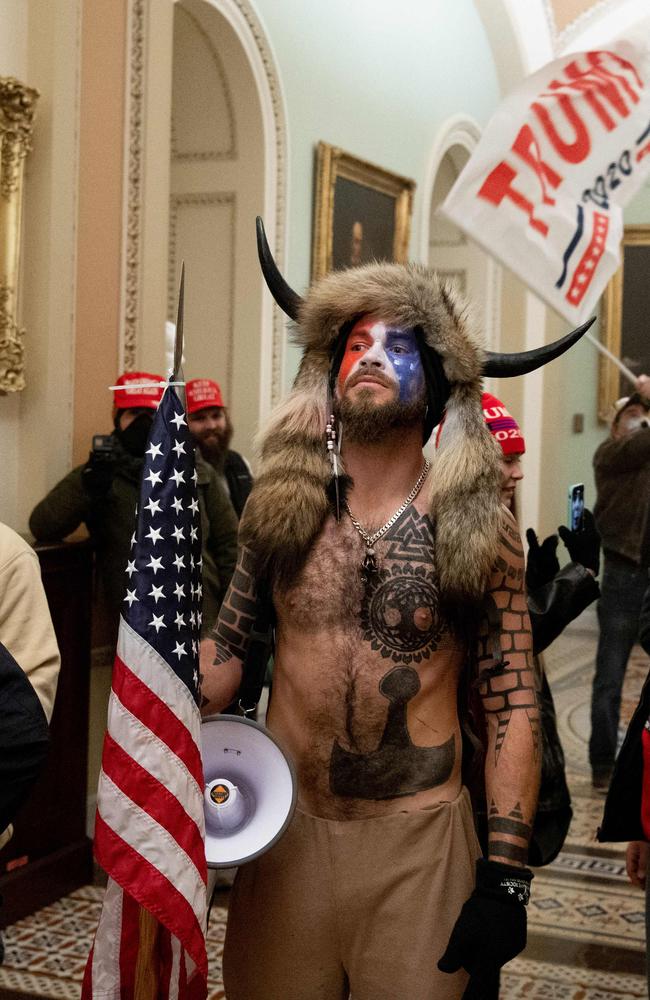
{"points": [[507, 365], [288, 300]]}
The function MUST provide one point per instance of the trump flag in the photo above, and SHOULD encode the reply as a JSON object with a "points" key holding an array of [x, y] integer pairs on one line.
{"points": [[544, 190], [149, 830]]}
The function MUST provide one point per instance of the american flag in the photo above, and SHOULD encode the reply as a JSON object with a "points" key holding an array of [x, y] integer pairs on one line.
{"points": [[149, 828]]}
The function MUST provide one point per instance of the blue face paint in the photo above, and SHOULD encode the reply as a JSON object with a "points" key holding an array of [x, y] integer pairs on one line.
{"points": [[402, 350]]}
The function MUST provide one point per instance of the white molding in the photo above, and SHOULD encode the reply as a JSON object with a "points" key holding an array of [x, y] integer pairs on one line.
{"points": [[459, 130], [464, 131]]}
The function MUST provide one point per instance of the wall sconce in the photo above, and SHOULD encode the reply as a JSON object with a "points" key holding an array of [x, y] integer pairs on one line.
{"points": [[17, 103]]}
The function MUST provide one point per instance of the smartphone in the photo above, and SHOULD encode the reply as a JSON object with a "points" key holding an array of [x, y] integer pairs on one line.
{"points": [[576, 516]]}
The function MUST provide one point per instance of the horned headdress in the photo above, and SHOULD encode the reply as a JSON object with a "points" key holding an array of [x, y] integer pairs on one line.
{"points": [[289, 501]]}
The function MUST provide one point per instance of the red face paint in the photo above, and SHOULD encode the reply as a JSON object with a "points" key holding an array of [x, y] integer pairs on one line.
{"points": [[359, 340]]}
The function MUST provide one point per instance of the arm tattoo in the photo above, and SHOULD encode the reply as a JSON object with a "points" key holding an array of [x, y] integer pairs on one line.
{"points": [[237, 614], [505, 668], [508, 836]]}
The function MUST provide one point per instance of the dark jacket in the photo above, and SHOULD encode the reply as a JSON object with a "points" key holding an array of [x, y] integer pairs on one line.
{"points": [[239, 480], [622, 510], [622, 815], [110, 522], [558, 602]]}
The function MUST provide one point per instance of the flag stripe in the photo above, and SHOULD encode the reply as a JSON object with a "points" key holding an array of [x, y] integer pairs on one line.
{"points": [[142, 701], [106, 959], [152, 890], [151, 795], [151, 842], [154, 671], [154, 755]]}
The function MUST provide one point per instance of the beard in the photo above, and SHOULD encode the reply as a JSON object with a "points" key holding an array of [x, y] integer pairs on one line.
{"points": [[214, 447], [366, 422]]}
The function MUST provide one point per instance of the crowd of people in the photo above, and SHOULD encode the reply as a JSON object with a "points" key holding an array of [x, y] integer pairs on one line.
{"points": [[409, 687]]}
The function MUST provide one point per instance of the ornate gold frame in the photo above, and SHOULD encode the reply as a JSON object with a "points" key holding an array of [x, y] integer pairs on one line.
{"points": [[332, 162], [610, 325], [17, 103]]}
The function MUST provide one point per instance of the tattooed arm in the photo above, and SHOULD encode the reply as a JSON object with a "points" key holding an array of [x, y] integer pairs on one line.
{"points": [[223, 654], [507, 689]]}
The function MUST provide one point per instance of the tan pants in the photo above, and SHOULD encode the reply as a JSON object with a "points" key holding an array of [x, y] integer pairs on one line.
{"points": [[362, 906]]}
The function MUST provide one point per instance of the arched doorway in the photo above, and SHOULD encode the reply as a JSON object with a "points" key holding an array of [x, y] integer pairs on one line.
{"points": [[216, 190]]}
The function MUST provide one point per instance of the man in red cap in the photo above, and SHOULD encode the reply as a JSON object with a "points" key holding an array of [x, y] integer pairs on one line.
{"points": [[210, 426], [103, 495]]}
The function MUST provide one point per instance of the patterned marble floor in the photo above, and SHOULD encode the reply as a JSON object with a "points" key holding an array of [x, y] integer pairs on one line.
{"points": [[586, 923]]}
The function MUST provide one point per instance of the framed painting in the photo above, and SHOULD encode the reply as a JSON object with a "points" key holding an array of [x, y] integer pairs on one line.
{"points": [[624, 319], [362, 212]]}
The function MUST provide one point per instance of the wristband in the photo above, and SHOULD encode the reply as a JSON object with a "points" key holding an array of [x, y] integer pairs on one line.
{"points": [[504, 881]]}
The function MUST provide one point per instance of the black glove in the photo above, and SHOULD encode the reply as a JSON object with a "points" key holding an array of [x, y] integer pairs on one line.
{"points": [[542, 563], [491, 928], [583, 546], [97, 474]]}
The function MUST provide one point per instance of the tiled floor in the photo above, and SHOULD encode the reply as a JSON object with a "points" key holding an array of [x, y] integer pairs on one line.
{"points": [[586, 923]]}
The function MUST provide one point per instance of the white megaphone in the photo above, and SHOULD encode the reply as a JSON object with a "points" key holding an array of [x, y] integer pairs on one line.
{"points": [[250, 790]]}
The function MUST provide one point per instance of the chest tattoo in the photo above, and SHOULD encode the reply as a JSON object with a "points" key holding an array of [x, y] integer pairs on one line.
{"points": [[396, 767], [399, 612]]}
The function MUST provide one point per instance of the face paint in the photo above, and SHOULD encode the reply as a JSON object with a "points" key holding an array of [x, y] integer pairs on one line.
{"points": [[389, 354]]}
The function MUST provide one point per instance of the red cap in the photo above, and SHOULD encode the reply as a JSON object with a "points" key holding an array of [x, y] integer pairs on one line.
{"points": [[201, 393], [502, 425], [130, 399]]}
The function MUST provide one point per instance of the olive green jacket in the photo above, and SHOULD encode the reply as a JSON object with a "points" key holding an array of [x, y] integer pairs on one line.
{"points": [[111, 522]]}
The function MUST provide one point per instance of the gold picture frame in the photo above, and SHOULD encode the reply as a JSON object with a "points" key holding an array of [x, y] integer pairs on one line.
{"points": [[624, 313], [17, 103], [361, 213]]}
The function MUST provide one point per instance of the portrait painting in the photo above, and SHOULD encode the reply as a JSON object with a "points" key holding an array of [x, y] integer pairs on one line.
{"points": [[362, 212], [624, 323]]}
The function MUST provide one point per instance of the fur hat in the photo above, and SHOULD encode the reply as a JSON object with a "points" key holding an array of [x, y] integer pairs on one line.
{"points": [[289, 503]]}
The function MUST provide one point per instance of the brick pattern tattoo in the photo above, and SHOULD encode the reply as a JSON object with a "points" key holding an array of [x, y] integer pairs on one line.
{"points": [[238, 611], [506, 685], [506, 676]]}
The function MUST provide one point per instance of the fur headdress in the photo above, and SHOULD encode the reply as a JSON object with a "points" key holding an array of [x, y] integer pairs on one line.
{"points": [[288, 504]]}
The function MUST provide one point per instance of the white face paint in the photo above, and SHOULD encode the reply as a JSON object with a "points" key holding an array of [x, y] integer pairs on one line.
{"points": [[376, 355]]}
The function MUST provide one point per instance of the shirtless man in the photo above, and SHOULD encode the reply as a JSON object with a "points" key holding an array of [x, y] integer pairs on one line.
{"points": [[362, 893]]}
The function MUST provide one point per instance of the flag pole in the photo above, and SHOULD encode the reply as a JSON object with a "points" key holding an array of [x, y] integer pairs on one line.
{"points": [[612, 357], [147, 972]]}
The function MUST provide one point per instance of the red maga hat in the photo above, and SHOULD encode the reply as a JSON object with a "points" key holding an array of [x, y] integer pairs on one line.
{"points": [[201, 393], [138, 389], [502, 425]]}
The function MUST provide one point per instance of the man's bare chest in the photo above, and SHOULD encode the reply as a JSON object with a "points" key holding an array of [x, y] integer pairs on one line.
{"points": [[394, 612]]}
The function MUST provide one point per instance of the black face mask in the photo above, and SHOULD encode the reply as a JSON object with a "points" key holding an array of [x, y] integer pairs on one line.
{"points": [[134, 438]]}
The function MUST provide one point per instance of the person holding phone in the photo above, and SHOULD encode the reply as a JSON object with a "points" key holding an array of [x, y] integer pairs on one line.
{"points": [[622, 512]]}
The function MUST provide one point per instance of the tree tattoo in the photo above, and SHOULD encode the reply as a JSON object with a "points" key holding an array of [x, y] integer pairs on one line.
{"points": [[400, 609]]}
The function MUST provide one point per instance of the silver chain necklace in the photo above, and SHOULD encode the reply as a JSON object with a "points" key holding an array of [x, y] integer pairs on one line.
{"points": [[369, 564]]}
